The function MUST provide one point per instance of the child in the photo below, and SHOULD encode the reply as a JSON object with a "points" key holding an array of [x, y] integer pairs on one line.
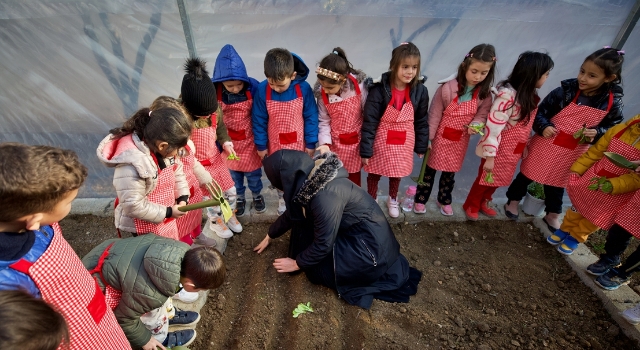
{"points": [[592, 102], [395, 123], [597, 207], [200, 99], [507, 130], [38, 185], [148, 176], [235, 96], [341, 94], [140, 275], [459, 103], [284, 112], [38, 327]]}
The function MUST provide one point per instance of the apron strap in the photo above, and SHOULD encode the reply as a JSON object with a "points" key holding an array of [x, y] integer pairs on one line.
{"points": [[325, 98], [625, 128], [23, 265], [249, 97], [355, 83], [219, 91], [476, 93], [575, 100], [268, 92], [98, 268]]}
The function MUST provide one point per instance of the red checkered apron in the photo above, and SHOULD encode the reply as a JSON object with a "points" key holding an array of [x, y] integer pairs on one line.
{"points": [[286, 124], [512, 141], [237, 118], [394, 142], [449, 146], [628, 216], [207, 153], [346, 125], [112, 295], [596, 206], [69, 288], [192, 219], [549, 160]]}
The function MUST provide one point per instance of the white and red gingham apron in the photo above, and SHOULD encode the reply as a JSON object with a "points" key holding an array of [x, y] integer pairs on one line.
{"points": [[596, 206], [207, 153], [112, 295], [449, 146], [394, 141], [286, 124], [65, 284], [346, 125], [549, 160], [512, 142], [192, 219], [237, 118]]}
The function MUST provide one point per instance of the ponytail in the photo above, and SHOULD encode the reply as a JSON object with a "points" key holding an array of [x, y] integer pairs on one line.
{"points": [[134, 125], [335, 62]]}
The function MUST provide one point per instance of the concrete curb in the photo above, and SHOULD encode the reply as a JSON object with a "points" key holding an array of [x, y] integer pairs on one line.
{"points": [[614, 301]]}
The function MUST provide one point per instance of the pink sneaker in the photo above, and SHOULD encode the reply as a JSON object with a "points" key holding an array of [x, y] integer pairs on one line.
{"points": [[419, 208], [446, 210]]}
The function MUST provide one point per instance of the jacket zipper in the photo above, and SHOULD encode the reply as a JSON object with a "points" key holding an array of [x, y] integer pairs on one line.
{"points": [[375, 263]]}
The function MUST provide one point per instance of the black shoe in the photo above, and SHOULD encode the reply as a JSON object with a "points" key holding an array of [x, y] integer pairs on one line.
{"points": [[184, 318], [603, 265], [240, 204], [509, 214], [258, 204], [177, 338]]}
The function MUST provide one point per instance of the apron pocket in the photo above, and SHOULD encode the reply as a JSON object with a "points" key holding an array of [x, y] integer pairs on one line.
{"points": [[237, 135], [520, 148], [565, 140], [395, 137], [606, 173], [452, 134], [350, 138], [98, 305], [288, 137]]}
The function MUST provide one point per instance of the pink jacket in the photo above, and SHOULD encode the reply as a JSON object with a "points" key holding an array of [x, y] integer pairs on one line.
{"points": [[443, 98]]}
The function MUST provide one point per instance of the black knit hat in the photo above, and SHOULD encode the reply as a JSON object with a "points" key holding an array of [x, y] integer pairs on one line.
{"points": [[198, 93]]}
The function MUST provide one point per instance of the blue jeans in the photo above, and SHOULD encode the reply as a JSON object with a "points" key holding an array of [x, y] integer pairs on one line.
{"points": [[254, 181]]}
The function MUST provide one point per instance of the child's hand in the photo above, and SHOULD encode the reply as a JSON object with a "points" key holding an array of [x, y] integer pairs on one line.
{"points": [[420, 155], [175, 212], [310, 151], [429, 145], [365, 161], [262, 154], [549, 132], [591, 134], [323, 149], [263, 245], [228, 147], [153, 344], [488, 164], [285, 265], [637, 163]]}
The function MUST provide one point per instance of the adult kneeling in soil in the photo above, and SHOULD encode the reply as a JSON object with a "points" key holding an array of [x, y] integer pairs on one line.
{"points": [[340, 237]]}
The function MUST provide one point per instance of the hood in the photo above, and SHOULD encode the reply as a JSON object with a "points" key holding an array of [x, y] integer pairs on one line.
{"points": [[128, 149], [326, 168], [287, 170], [301, 69], [229, 66]]}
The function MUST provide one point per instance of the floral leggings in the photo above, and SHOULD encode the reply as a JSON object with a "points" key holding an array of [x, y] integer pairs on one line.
{"points": [[445, 186]]}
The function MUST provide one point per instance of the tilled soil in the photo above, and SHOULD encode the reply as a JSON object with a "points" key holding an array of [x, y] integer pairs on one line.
{"points": [[486, 285]]}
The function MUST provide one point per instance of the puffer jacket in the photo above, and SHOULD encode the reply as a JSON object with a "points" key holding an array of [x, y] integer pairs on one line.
{"points": [[134, 177], [377, 102], [146, 269], [562, 96], [624, 183]]}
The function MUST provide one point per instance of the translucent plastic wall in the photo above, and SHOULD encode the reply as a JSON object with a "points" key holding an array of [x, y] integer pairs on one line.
{"points": [[71, 70]]}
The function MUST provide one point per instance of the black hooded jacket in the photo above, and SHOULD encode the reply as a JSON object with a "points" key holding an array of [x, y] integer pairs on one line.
{"points": [[337, 225], [562, 96], [377, 102]]}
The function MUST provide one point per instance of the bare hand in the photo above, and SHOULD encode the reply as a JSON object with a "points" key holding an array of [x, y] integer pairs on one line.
{"points": [[228, 146], [263, 245], [471, 131], [590, 133], [262, 154], [323, 149], [549, 132], [365, 161], [637, 163], [488, 164], [420, 155], [310, 151], [175, 212], [285, 265], [153, 344]]}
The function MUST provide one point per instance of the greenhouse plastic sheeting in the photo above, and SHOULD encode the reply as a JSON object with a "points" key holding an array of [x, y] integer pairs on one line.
{"points": [[71, 70]]}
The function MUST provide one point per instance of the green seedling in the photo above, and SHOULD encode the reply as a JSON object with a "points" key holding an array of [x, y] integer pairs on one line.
{"points": [[579, 135], [601, 183], [489, 178], [233, 157], [477, 127], [301, 309]]}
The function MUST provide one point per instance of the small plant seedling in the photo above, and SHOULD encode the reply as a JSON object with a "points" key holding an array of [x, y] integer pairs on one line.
{"points": [[489, 178], [477, 127], [301, 309], [536, 190], [579, 135], [233, 157], [600, 183]]}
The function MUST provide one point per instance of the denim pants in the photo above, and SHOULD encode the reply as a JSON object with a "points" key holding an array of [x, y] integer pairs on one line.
{"points": [[254, 181]]}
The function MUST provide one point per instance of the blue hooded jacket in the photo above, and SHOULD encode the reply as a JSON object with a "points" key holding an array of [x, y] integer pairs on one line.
{"points": [[260, 116], [229, 66]]}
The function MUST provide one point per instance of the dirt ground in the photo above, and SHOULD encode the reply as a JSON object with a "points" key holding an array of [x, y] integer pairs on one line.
{"points": [[486, 285]]}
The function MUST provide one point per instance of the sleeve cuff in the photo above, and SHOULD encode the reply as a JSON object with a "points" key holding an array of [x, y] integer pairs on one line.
{"points": [[261, 147], [311, 145], [184, 198], [169, 213]]}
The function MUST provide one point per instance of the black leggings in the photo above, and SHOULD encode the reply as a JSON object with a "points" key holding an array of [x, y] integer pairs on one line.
{"points": [[445, 186], [553, 195]]}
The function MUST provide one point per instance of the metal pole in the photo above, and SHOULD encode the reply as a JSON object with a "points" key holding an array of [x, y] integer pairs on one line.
{"points": [[188, 33], [627, 27]]}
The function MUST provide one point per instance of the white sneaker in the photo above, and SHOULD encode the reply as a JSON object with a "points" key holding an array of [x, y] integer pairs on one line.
{"points": [[393, 207], [217, 225], [186, 297], [632, 315], [282, 206], [234, 225]]}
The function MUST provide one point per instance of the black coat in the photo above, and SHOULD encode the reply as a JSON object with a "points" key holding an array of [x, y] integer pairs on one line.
{"points": [[339, 235], [377, 102], [561, 97]]}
